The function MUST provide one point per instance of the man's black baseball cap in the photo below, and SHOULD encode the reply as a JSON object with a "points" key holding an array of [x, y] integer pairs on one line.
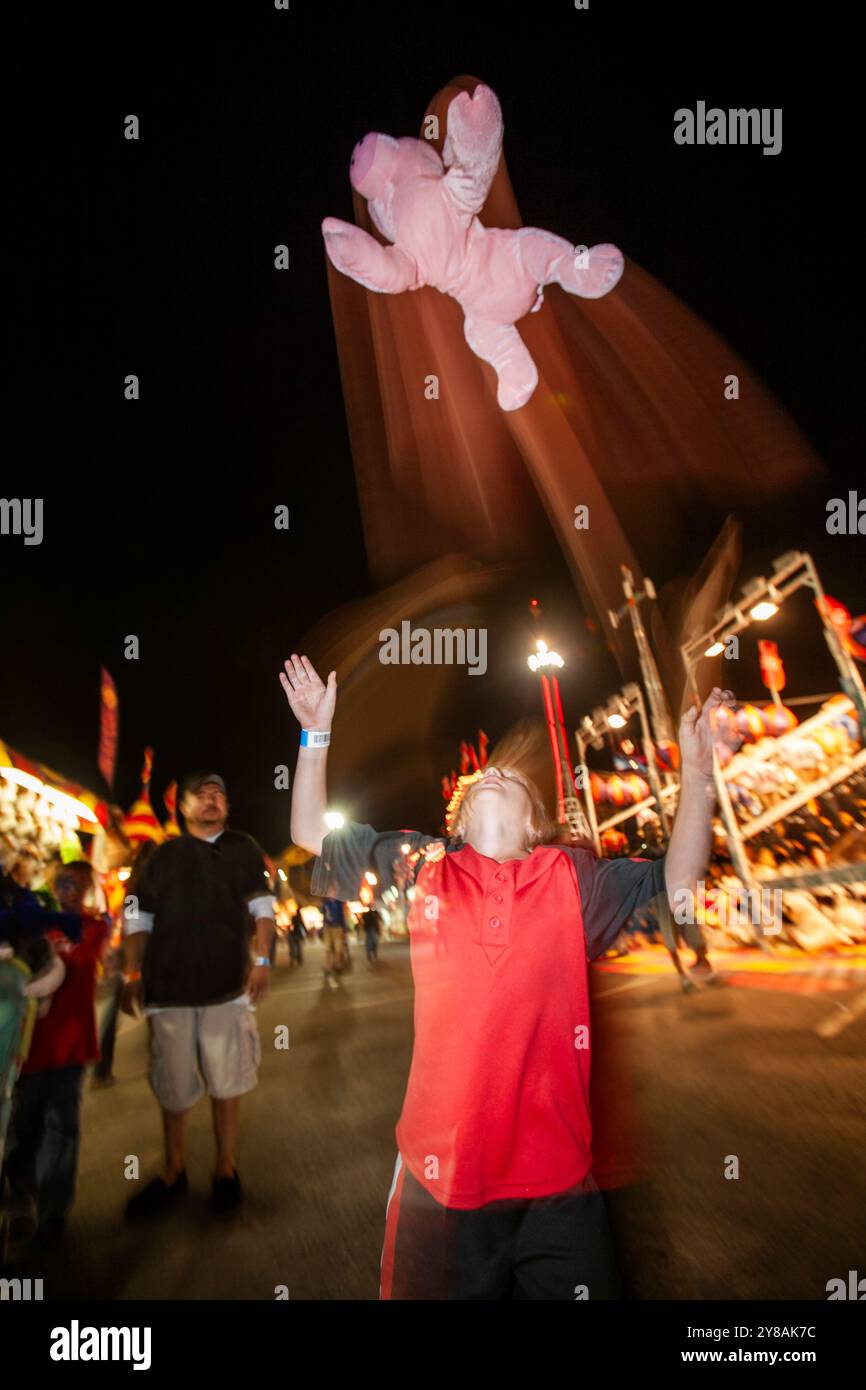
{"points": [[194, 781]]}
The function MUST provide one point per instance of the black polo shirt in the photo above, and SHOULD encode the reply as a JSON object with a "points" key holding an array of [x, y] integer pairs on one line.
{"points": [[199, 895]]}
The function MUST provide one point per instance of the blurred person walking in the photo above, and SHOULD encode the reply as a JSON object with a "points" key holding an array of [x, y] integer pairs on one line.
{"points": [[334, 937], [372, 923], [297, 932]]}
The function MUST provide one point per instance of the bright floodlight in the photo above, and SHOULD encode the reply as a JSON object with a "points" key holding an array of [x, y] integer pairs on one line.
{"points": [[334, 820], [616, 721], [543, 657], [762, 611], [371, 878], [715, 650]]}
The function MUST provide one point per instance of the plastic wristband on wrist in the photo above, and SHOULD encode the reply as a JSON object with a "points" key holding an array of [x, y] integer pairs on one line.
{"points": [[315, 738], [130, 977], [263, 960]]}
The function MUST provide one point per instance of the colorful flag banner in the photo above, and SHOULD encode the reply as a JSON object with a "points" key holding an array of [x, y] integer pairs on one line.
{"points": [[108, 718]]}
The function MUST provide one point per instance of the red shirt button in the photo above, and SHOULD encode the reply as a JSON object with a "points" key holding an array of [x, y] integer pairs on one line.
{"points": [[501, 877], [494, 921], [497, 897]]}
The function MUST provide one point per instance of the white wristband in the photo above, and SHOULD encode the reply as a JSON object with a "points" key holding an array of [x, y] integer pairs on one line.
{"points": [[315, 738]]}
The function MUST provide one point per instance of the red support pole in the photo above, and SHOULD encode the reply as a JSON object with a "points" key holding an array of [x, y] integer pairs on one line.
{"points": [[554, 743], [561, 717]]}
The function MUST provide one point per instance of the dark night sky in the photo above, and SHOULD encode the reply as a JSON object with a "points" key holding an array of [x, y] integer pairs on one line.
{"points": [[156, 258]]}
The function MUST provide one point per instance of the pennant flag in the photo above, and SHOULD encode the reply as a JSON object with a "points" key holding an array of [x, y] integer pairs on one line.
{"points": [[772, 666], [108, 715], [140, 822], [169, 797]]}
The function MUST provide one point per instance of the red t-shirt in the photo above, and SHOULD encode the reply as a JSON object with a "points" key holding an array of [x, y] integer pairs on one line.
{"points": [[497, 1103], [66, 1036]]}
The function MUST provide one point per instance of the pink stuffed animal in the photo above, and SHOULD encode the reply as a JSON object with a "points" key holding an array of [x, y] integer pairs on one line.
{"points": [[429, 211]]}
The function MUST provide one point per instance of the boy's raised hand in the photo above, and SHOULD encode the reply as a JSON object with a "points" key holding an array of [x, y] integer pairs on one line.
{"points": [[311, 702]]}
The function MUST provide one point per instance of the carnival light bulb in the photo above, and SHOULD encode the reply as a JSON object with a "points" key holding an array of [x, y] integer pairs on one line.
{"points": [[762, 611]]}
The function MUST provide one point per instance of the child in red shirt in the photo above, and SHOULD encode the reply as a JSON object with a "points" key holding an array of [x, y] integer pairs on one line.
{"points": [[493, 1194], [43, 1163]]}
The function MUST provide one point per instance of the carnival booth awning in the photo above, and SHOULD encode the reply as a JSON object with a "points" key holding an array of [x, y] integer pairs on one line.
{"points": [[73, 805]]}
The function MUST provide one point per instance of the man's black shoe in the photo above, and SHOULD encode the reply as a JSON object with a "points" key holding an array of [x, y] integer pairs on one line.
{"points": [[156, 1198], [226, 1195]]}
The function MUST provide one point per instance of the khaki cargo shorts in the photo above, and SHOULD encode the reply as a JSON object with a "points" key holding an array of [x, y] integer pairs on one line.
{"points": [[335, 940], [215, 1047]]}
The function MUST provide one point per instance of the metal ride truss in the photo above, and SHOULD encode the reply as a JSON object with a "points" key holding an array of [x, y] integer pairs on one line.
{"points": [[792, 571], [620, 708], [661, 720]]}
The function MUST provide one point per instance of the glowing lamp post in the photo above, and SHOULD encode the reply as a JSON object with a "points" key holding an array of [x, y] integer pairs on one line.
{"points": [[546, 663]]}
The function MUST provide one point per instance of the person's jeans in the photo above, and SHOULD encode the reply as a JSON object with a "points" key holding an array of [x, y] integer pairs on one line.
{"points": [[45, 1138], [108, 1029]]}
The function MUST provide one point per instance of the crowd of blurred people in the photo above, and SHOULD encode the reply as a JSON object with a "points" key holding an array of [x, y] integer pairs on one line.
{"points": [[61, 956]]}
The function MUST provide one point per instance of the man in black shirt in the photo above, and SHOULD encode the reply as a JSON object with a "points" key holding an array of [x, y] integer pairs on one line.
{"points": [[188, 965]]}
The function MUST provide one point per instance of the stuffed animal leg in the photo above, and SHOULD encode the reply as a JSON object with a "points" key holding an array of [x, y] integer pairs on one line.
{"points": [[386, 269], [501, 345], [551, 260]]}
